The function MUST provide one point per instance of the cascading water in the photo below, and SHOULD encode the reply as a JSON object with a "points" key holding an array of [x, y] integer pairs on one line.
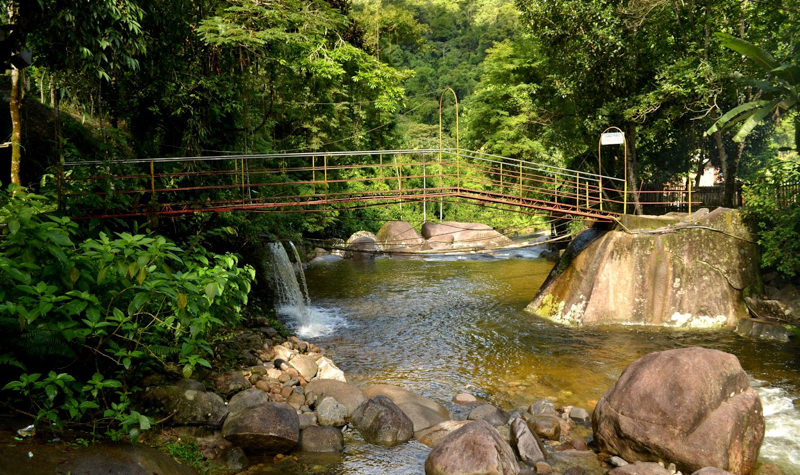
{"points": [[298, 270], [292, 301]]}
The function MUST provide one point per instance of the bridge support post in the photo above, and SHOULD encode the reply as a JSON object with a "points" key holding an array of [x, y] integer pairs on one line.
{"points": [[689, 180], [424, 191], [625, 198]]}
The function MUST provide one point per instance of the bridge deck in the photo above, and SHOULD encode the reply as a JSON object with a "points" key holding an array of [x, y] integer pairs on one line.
{"points": [[334, 181]]}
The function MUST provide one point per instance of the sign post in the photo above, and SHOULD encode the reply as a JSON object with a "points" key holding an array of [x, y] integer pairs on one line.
{"points": [[613, 136]]}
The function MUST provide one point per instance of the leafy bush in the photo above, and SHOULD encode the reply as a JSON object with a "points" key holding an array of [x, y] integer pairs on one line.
{"points": [[80, 321], [773, 208]]}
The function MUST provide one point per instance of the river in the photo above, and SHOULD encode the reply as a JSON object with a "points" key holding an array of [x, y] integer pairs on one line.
{"points": [[440, 327]]}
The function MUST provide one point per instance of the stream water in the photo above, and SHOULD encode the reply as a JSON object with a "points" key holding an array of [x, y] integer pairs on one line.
{"points": [[447, 326]]}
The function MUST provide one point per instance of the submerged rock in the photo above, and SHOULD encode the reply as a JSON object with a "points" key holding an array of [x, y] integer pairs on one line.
{"points": [[691, 406], [321, 439], [476, 448], [123, 459], [688, 276], [765, 330]]}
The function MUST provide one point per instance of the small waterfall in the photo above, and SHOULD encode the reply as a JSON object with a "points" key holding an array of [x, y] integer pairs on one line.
{"points": [[298, 269], [292, 300]]}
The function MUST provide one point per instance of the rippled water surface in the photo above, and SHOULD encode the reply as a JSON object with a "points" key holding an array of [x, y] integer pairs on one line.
{"points": [[442, 327]]}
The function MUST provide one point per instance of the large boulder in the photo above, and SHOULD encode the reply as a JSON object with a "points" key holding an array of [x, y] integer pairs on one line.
{"points": [[422, 411], [362, 245], [690, 406], [256, 425], [453, 235], [678, 276], [346, 394], [381, 422], [399, 236], [189, 403], [476, 448]]}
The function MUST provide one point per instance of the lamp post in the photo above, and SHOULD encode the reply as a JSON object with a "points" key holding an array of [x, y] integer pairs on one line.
{"points": [[458, 160], [612, 136]]}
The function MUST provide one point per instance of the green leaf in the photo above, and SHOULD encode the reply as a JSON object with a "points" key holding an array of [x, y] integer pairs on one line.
{"points": [[13, 226], [144, 422], [211, 290], [735, 115], [743, 47], [102, 275], [755, 119], [181, 300], [51, 390]]}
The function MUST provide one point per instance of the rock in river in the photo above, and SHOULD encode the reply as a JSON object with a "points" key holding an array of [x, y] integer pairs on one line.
{"points": [[691, 406], [189, 403], [488, 413], [527, 444], [684, 275], [381, 422], [400, 236], [268, 427], [422, 411], [331, 413], [346, 394], [321, 439], [476, 448]]}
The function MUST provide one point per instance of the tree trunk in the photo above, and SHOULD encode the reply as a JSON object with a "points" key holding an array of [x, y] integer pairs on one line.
{"points": [[797, 132], [633, 182], [730, 179], [16, 127], [725, 164]]}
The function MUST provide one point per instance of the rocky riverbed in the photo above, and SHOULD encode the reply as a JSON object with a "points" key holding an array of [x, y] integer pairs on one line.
{"points": [[293, 403]]}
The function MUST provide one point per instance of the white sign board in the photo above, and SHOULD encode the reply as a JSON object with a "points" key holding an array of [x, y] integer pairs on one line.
{"points": [[612, 138]]}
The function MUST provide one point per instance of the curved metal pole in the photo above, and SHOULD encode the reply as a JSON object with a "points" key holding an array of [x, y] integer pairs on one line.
{"points": [[458, 158], [625, 168]]}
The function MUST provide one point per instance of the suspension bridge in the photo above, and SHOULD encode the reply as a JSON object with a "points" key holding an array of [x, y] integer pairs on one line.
{"points": [[322, 182]]}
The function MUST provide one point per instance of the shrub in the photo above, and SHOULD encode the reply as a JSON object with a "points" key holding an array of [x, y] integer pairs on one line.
{"points": [[79, 322], [775, 215]]}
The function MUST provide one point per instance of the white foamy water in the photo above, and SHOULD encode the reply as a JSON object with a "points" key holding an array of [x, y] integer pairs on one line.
{"points": [[292, 300], [314, 322], [781, 444]]}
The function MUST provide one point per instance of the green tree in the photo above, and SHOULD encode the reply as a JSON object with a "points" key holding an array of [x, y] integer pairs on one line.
{"points": [[779, 93]]}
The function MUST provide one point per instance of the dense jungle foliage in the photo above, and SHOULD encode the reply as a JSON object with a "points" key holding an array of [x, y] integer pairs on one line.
{"points": [[692, 83]]}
